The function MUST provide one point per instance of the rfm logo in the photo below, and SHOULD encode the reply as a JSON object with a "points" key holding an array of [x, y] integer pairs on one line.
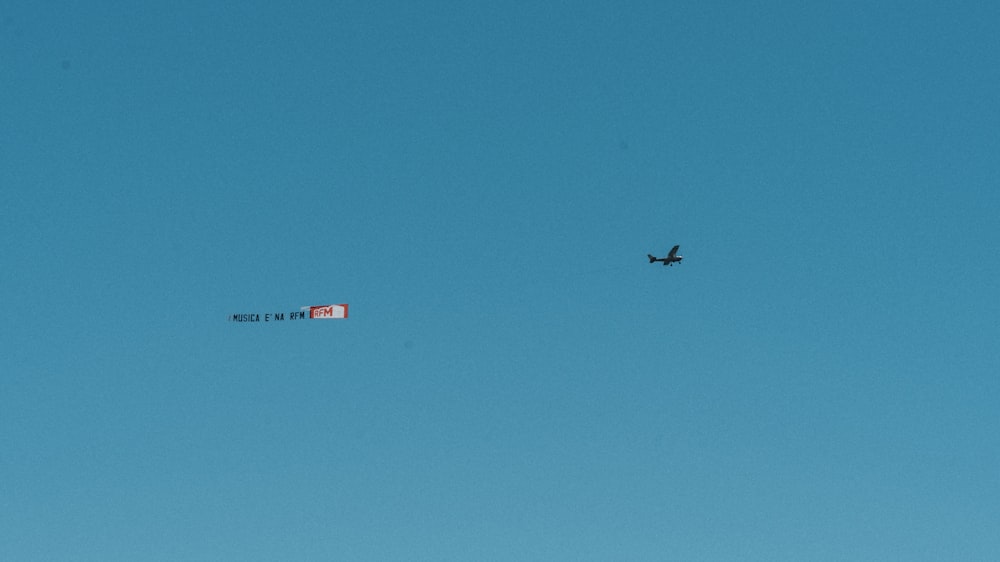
{"points": [[328, 311]]}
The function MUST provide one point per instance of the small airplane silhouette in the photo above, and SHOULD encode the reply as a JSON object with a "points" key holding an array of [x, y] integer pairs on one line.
{"points": [[670, 259]]}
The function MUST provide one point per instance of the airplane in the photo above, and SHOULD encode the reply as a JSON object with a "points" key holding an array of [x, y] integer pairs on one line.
{"points": [[670, 259]]}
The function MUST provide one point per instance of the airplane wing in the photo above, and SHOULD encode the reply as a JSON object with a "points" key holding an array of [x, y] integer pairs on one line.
{"points": [[673, 251]]}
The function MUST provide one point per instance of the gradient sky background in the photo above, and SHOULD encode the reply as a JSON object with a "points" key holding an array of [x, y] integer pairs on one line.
{"points": [[481, 182]]}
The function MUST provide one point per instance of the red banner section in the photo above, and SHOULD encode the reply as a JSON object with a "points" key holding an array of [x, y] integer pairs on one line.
{"points": [[328, 311]]}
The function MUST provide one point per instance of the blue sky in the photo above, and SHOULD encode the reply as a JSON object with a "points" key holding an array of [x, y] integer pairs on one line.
{"points": [[481, 183]]}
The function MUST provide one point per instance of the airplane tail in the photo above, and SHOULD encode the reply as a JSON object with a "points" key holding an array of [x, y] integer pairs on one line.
{"points": [[652, 258]]}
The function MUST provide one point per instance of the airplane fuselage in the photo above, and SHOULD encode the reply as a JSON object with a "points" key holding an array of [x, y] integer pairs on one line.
{"points": [[671, 258]]}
